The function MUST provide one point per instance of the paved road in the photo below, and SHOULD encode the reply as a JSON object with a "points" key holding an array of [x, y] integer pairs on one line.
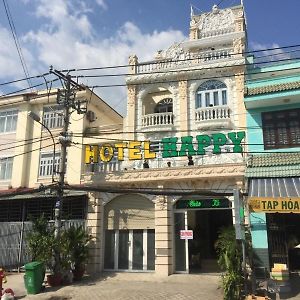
{"points": [[128, 286]]}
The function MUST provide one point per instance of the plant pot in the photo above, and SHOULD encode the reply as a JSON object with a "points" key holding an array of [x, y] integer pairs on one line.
{"points": [[78, 273], [54, 279]]}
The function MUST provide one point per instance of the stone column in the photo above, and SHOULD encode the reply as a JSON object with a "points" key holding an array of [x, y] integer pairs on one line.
{"points": [[183, 105], [94, 225], [131, 111], [163, 237]]}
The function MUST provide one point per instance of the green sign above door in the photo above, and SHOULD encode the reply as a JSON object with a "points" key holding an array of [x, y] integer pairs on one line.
{"points": [[203, 204]]}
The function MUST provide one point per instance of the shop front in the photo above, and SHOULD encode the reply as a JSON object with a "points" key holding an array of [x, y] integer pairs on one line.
{"points": [[274, 205], [197, 221]]}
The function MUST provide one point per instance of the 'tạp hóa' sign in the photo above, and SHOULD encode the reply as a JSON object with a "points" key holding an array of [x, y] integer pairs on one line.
{"points": [[171, 147], [273, 205]]}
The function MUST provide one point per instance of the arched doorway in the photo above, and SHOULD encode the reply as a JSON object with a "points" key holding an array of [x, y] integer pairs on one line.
{"points": [[129, 234]]}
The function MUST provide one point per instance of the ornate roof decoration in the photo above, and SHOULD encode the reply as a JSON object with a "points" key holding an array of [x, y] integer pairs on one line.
{"points": [[272, 88], [218, 21]]}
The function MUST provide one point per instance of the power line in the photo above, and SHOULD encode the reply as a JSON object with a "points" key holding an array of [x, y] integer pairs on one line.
{"points": [[262, 50], [157, 62], [16, 40], [41, 139], [26, 152], [23, 79]]}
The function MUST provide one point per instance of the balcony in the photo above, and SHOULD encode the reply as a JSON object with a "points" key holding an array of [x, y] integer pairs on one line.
{"points": [[158, 121], [188, 59], [216, 116]]}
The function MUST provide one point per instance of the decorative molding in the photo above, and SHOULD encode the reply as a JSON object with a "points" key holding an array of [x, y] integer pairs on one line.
{"points": [[167, 174]]}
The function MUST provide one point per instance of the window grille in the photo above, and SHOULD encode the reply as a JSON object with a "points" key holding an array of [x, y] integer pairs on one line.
{"points": [[46, 164], [53, 116], [281, 129], [211, 93], [8, 120], [6, 165]]}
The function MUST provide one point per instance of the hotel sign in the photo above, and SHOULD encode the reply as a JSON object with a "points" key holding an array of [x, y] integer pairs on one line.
{"points": [[273, 205], [171, 147]]}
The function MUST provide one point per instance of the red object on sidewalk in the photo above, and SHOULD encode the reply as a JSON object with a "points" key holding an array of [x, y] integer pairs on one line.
{"points": [[2, 276]]}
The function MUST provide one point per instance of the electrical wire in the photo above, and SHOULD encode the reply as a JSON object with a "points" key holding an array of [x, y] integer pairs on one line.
{"points": [[157, 62], [16, 40], [26, 152], [249, 52]]}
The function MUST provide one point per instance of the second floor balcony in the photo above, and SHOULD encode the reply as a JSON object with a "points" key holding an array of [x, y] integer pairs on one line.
{"points": [[215, 116], [158, 121]]}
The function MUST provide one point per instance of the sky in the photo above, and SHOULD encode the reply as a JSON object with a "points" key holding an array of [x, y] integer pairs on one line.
{"points": [[96, 33]]}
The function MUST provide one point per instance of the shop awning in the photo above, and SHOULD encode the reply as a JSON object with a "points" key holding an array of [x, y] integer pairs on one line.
{"points": [[274, 187], [274, 195]]}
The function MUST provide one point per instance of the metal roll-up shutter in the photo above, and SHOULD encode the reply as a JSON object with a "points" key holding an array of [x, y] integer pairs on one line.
{"points": [[129, 212]]}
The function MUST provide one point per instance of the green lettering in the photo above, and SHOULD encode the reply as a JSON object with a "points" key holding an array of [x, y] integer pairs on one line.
{"points": [[169, 147], [203, 142], [296, 206], [264, 204], [219, 139], [236, 138], [187, 146], [275, 203]]}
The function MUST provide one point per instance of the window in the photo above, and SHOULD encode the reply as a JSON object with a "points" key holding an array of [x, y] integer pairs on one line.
{"points": [[53, 116], [163, 106], [281, 129], [8, 120], [211, 93], [6, 164], [46, 163]]}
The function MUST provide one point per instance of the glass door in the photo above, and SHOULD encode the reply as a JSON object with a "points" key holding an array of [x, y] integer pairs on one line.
{"points": [[181, 246], [129, 250], [123, 254], [137, 250]]}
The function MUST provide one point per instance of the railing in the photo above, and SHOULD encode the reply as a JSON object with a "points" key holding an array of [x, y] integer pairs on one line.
{"points": [[158, 119], [212, 113], [217, 32], [185, 59]]}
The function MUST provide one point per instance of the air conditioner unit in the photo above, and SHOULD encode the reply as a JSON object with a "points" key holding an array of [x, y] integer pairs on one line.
{"points": [[90, 115]]}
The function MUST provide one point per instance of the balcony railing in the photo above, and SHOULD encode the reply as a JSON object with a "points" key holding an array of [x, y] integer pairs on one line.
{"points": [[185, 60], [212, 113], [158, 119]]}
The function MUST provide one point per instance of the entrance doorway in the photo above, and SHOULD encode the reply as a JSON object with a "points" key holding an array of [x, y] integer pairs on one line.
{"points": [[198, 255], [284, 239], [129, 250]]}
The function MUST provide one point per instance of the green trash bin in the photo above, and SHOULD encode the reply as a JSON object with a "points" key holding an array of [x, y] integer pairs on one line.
{"points": [[34, 277]]}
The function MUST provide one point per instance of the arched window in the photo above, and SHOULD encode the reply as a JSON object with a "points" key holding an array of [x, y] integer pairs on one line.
{"points": [[211, 93], [165, 105]]}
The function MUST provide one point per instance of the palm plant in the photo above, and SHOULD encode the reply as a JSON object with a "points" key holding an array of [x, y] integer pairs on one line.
{"points": [[230, 261], [76, 245]]}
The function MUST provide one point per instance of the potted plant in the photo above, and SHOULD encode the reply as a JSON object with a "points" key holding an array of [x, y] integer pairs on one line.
{"points": [[77, 240], [230, 260], [43, 245]]}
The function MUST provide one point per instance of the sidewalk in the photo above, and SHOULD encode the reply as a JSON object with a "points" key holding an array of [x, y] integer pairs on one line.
{"points": [[128, 286]]}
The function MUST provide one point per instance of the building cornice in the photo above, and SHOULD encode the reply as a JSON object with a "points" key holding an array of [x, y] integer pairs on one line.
{"points": [[234, 170], [188, 73]]}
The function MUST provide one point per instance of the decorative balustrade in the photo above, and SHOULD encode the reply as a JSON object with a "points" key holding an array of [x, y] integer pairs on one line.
{"points": [[158, 119], [212, 113], [217, 32], [185, 59]]}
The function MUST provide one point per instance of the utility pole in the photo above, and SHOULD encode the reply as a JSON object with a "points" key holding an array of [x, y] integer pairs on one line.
{"points": [[67, 99]]}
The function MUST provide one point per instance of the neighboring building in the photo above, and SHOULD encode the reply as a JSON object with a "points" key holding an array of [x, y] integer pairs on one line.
{"points": [[272, 100], [27, 154], [191, 94]]}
